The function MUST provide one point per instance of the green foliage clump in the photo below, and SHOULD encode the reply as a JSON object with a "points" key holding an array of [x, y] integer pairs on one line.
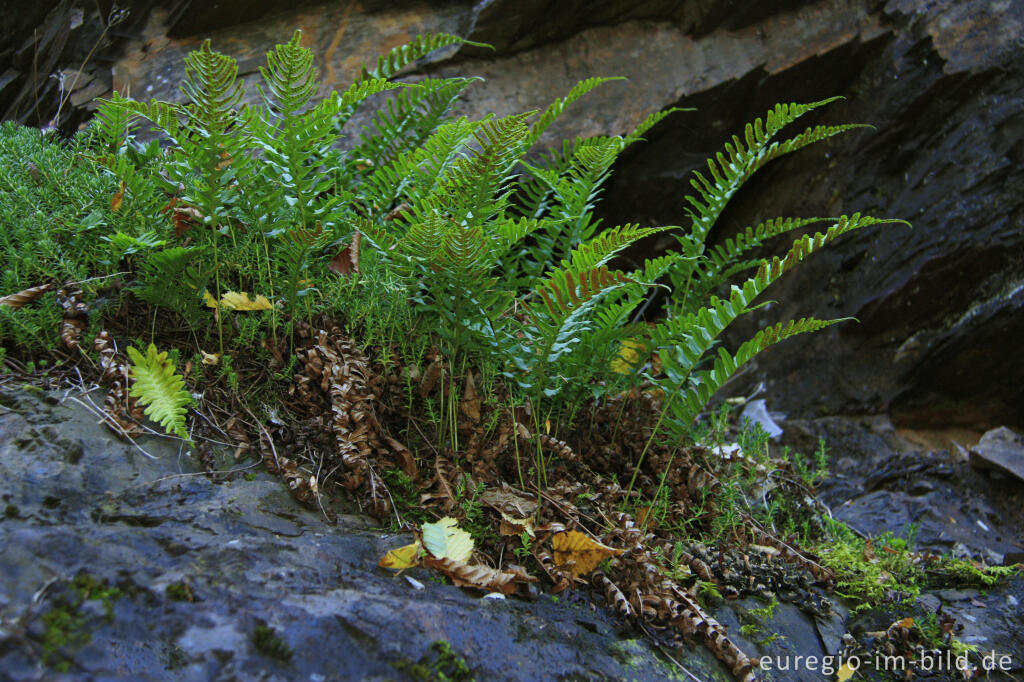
{"points": [[880, 570], [429, 230]]}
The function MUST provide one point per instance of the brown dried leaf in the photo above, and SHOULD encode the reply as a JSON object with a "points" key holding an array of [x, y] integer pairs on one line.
{"points": [[397, 211], [513, 526], [479, 576], [470, 404], [431, 376], [117, 199], [406, 461], [347, 260], [509, 500], [24, 296]]}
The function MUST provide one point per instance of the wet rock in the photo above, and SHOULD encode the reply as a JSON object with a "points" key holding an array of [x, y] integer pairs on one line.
{"points": [[118, 566], [1001, 449], [881, 481]]}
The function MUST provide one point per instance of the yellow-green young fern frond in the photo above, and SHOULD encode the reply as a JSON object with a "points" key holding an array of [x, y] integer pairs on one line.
{"points": [[160, 389]]}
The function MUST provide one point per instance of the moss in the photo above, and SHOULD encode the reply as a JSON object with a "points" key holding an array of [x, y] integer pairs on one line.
{"points": [[439, 664], [268, 643], [180, 591], [65, 627], [886, 569]]}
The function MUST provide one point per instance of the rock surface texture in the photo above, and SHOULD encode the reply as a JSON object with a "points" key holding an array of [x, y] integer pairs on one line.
{"points": [[939, 305], [201, 568], [120, 565]]}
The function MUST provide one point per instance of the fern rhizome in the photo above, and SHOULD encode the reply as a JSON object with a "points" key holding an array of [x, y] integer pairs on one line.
{"points": [[426, 309]]}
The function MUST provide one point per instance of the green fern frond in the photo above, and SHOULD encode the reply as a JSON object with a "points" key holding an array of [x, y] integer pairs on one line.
{"points": [[742, 158], [651, 121], [164, 115], [398, 58], [290, 77], [407, 120], [683, 340], [160, 389], [604, 246], [112, 125], [705, 383], [212, 86], [556, 108]]}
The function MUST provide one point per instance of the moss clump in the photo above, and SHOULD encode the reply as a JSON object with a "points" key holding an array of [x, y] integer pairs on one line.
{"points": [[268, 643], [65, 626], [439, 664], [180, 591]]}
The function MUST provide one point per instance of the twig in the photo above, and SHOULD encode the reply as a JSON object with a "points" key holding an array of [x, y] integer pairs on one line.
{"points": [[104, 418], [664, 653]]}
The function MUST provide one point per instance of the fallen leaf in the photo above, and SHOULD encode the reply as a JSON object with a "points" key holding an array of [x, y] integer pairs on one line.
{"points": [[234, 300], [117, 199], [470, 404], [406, 460], [513, 526], [445, 540], [509, 500], [401, 558], [906, 623], [347, 260], [210, 359], [584, 552], [845, 672], [479, 576], [24, 296], [631, 354]]}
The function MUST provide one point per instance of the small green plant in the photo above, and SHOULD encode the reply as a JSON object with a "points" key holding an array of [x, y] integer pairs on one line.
{"points": [[439, 664], [270, 644], [161, 389]]}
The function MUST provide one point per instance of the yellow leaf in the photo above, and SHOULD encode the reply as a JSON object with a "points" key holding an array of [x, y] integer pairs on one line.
{"points": [[234, 300], [630, 355], [845, 672], [513, 526], [578, 548], [906, 623], [401, 558], [445, 540], [117, 199], [210, 358]]}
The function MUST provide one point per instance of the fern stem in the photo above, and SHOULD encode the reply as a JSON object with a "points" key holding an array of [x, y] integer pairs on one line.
{"points": [[647, 446]]}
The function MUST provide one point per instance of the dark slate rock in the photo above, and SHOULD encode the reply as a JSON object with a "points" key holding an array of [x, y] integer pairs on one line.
{"points": [[1001, 449], [201, 565]]}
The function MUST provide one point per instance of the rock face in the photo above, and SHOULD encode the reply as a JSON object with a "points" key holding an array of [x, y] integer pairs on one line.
{"points": [[120, 564], [939, 305], [117, 566]]}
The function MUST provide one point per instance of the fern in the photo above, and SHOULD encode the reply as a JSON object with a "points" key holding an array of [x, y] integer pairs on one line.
{"points": [[160, 389], [683, 341], [702, 385], [398, 58]]}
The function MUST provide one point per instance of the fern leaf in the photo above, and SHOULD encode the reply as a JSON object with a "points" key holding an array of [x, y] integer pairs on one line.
{"points": [[290, 77], [683, 340], [160, 389], [556, 108], [705, 383], [742, 158], [398, 58], [651, 121]]}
